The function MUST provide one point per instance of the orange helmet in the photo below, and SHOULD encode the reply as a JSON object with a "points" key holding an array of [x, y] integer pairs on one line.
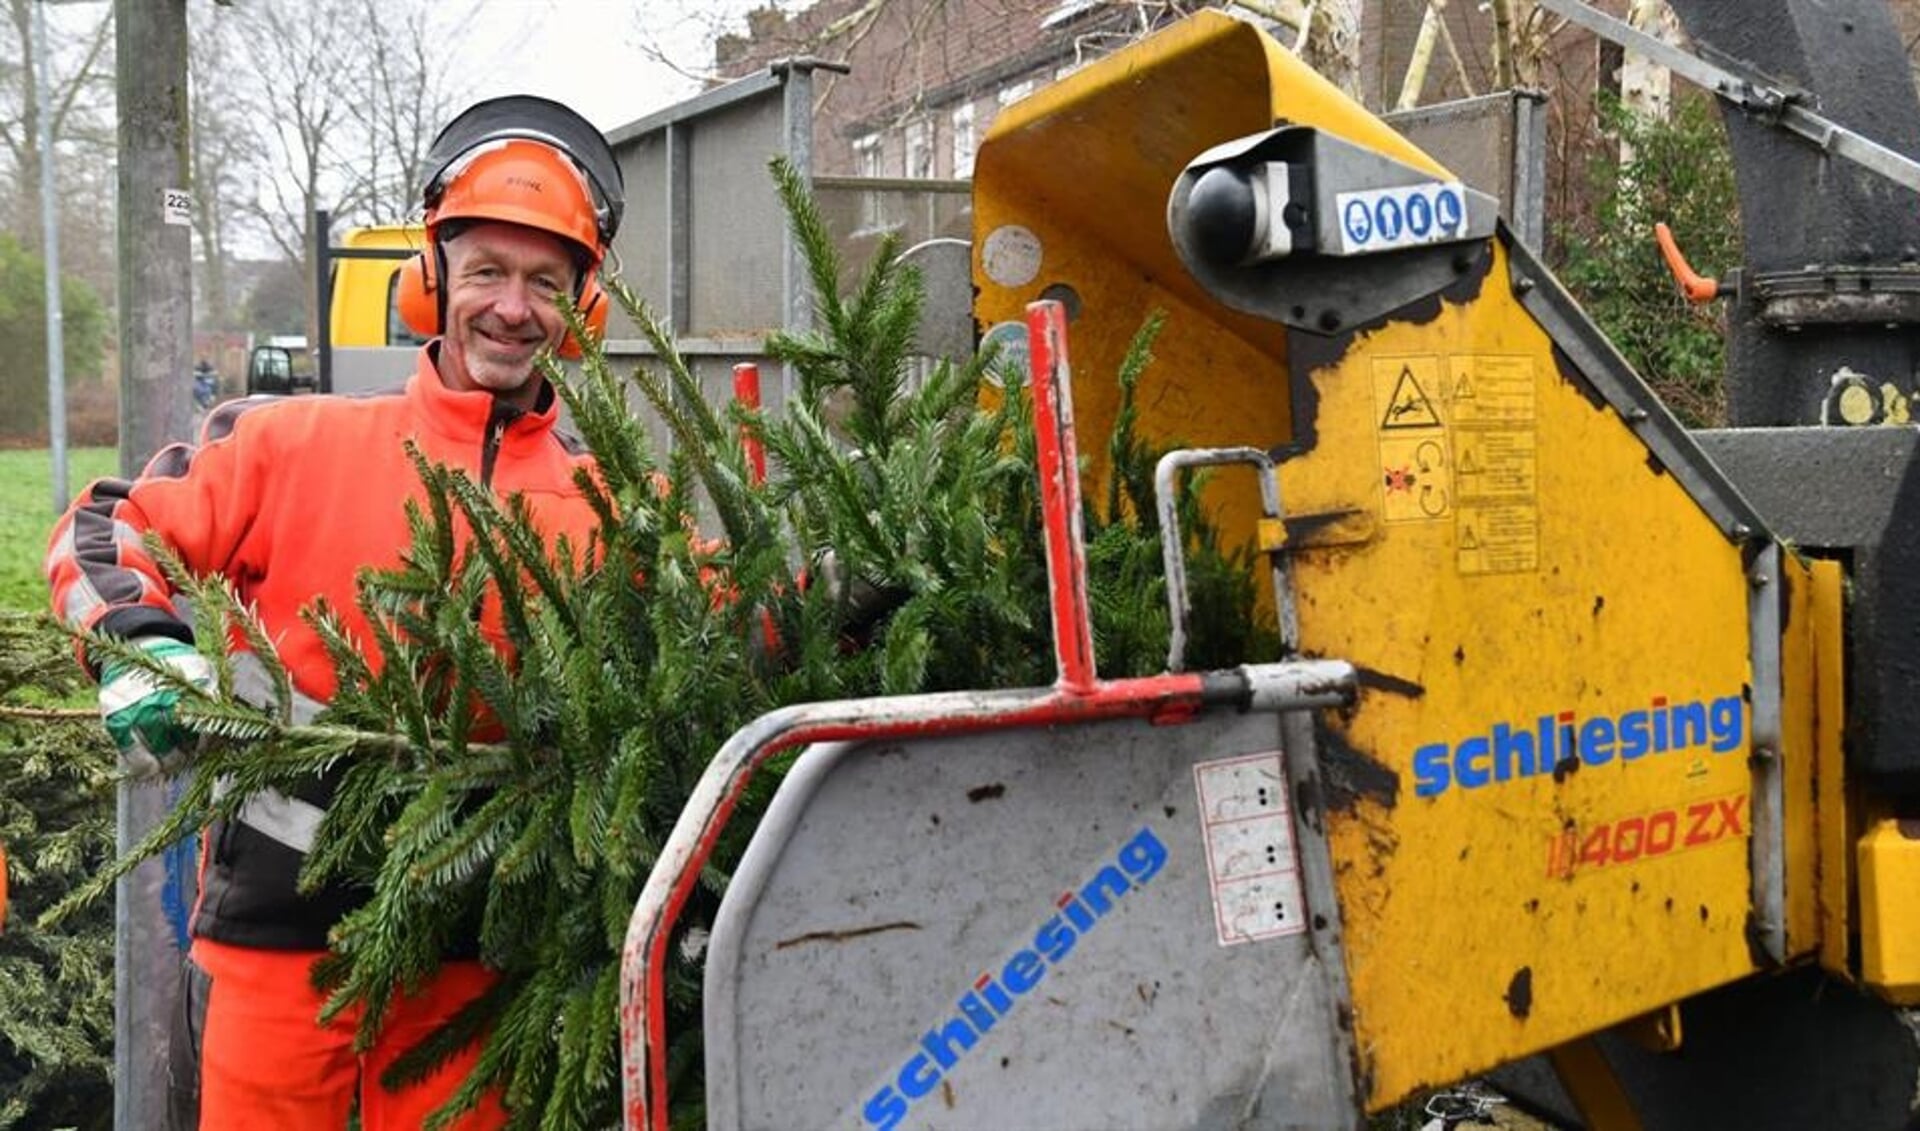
{"points": [[519, 181]]}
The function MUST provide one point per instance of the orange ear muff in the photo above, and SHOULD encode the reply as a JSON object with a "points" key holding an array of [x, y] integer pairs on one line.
{"points": [[592, 305], [416, 296]]}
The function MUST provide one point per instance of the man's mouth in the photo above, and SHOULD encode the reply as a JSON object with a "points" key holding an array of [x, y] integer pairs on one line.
{"points": [[515, 342]]}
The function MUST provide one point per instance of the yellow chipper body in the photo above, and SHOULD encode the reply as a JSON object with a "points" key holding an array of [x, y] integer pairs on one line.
{"points": [[1551, 773], [1593, 766]]}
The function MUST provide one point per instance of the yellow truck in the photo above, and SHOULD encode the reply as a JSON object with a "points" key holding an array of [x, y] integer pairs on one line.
{"points": [[365, 344]]}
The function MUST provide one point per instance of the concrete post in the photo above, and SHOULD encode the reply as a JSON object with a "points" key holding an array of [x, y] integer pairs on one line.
{"points": [[156, 355]]}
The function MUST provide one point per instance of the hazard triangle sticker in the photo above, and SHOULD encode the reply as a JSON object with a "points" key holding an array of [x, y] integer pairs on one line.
{"points": [[1409, 406]]}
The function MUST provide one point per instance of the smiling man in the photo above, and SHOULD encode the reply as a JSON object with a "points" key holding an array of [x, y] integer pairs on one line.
{"points": [[289, 498]]}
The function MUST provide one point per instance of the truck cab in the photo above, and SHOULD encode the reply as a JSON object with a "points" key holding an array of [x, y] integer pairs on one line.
{"points": [[280, 366], [363, 312]]}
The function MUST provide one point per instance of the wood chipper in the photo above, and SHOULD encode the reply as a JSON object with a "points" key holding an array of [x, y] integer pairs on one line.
{"points": [[1565, 767]]}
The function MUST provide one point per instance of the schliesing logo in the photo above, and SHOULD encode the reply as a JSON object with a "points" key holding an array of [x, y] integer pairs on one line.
{"points": [[1510, 750], [995, 995]]}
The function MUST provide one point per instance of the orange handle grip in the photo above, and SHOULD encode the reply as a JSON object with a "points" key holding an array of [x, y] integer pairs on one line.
{"points": [[1698, 288]]}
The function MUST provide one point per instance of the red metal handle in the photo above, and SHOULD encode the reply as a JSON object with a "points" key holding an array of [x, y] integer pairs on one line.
{"points": [[746, 390], [1059, 468]]}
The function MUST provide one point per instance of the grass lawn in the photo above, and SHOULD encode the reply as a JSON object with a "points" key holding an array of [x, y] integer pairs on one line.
{"points": [[26, 516]]}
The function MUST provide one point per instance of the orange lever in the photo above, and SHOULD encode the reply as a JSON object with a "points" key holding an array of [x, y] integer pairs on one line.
{"points": [[1698, 288]]}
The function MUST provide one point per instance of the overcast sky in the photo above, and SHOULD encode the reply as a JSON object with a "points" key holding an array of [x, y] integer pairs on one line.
{"points": [[589, 53]]}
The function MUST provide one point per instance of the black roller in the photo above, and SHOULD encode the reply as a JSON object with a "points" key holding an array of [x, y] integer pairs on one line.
{"points": [[1222, 217]]}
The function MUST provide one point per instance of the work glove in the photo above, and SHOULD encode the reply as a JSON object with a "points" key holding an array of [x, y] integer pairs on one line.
{"points": [[139, 708]]}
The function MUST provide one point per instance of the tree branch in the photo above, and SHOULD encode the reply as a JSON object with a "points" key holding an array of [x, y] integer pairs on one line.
{"points": [[50, 714]]}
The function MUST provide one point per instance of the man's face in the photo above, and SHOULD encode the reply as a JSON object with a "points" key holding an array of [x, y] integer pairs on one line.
{"points": [[502, 283]]}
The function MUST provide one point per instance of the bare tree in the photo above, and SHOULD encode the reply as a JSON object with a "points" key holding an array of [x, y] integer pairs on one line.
{"points": [[313, 104], [410, 92], [79, 102], [1645, 86], [305, 76], [219, 156]]}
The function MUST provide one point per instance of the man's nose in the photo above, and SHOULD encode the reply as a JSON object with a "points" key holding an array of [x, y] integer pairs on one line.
{"points": [[514, 301]]}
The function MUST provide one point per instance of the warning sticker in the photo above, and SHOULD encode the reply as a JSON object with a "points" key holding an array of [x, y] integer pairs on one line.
{"points": [[1415, 477], [1252, 868], [1495, 442], [1416, 462], [1407, 405]]}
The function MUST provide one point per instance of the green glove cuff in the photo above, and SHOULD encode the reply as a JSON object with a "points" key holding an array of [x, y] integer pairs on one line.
{"points": [[140, 711]]}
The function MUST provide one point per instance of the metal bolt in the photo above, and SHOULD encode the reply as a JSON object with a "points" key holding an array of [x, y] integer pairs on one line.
{"points": [[1636, 414], [1522, 284], [1761, 581], [1763, 754], [1741, 531]]}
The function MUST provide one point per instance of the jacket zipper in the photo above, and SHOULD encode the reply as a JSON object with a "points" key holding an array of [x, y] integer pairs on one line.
{"points": [[497, 422]]}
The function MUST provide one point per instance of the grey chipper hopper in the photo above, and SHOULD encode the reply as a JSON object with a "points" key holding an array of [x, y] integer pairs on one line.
{"points": [[1067, 926]]}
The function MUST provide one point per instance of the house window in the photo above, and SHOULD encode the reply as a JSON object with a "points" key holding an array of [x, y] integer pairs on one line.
{"points": [[963, 142], [919, 149], [867, 158], [869, 161]]}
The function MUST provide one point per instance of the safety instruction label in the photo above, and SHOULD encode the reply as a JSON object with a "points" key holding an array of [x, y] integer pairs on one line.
{"points": [[1252, 867], [1490, 401], [1408, 216], [1416, 464]]}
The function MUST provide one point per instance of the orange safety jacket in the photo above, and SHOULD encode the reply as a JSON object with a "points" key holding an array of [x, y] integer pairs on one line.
{"points": [[288, 498]]}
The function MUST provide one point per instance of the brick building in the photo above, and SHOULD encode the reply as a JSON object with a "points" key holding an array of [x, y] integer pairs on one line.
{"points": [[927, 76]]}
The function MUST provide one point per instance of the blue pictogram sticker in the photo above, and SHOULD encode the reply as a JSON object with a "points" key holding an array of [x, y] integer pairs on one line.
{"points": [[1449, 209], [1419, 215], [1386, 214], [1359, 222]]}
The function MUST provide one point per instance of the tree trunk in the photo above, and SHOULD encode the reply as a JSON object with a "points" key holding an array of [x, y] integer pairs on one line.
{"points": [[1415, 79], [34, 103], [1646, 87], [1332, 44]]}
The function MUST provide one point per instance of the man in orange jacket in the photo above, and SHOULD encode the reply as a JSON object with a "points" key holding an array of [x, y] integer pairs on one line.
{"points": [[288, 498]]}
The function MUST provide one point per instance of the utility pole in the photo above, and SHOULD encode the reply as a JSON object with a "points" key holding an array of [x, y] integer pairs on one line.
{"points": [[155, 244], [156, 348], [50, 259]]}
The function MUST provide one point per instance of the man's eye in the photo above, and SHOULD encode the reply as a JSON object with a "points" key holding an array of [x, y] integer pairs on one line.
{"points": [[546, 286]]}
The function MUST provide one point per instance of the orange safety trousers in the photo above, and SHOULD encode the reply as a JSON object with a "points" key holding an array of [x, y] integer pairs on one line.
{"points": [[248, 1034]]}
